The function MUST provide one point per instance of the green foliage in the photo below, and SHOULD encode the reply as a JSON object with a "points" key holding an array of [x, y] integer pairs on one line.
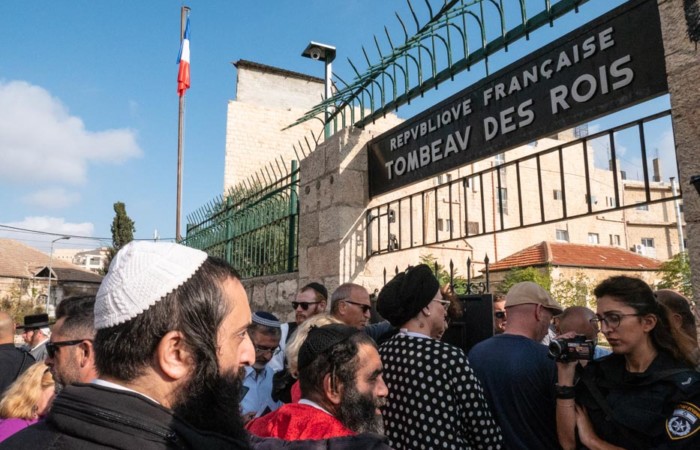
{"points": [[22, 300], [122, 232], [537, 275], [122, 227], [675, 274], [443, 275], [573, 291]]}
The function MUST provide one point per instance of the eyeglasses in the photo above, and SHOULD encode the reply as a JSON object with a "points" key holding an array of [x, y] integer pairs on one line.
{"points": [[500, 315], [263, 350], [444, 303], [365, 308], [612, 321], [52, 347], [304, 305]]}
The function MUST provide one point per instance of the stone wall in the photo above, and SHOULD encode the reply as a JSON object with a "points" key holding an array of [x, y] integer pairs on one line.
{"points": [[267, 101], [683, 69], [273, 294]]}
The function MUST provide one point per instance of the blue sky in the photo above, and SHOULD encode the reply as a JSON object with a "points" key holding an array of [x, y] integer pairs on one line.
{"points": [[88, 103]]}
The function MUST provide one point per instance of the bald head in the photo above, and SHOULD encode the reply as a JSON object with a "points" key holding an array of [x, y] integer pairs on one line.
{"points": [[7, 328], [578, 320]]}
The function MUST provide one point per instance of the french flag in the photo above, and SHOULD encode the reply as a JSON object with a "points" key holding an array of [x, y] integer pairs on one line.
{"points": [[183, 59]]}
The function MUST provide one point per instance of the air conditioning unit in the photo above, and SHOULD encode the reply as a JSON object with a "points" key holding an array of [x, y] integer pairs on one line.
{"points": [[639, 248]]}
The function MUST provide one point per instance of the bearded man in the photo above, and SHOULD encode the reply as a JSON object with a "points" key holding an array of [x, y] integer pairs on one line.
{"points": [[342, 388], [171, 340]]}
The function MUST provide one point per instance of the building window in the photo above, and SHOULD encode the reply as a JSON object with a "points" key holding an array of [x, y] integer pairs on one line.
{"points": [[558, 194], [593, 238], [473, 227], [642, 206], [444, 225], [610, 201], [648, 242], [503, 200], [593, 199], [563, 235], [614, 239], [444, 178], [499, 160]]}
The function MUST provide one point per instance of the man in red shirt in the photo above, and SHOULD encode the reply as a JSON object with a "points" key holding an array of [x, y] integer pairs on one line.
{"points": [[340, 374]]}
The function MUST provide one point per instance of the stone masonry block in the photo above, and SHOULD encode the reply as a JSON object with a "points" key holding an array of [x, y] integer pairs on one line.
{"points": [[308, 229], [323, 260], [351, 188], [258, 298], [271, 293]]}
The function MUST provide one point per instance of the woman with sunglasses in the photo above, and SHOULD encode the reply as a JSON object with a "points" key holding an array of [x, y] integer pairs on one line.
{"points": [[646, 394], [27, 400]]}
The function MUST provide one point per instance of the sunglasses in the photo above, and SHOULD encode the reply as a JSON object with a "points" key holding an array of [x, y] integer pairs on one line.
{"points": [[52, 347], [500, 314], [362, 306], [304, 305]]}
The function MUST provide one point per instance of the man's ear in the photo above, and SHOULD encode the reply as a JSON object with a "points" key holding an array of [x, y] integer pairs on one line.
{"points": [[87, 353], [173, 356], [332, 390], [322, 305]]}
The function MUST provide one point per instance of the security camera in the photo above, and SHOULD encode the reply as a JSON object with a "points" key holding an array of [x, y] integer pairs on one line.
{"points": [[315, 53], [319, 52]]}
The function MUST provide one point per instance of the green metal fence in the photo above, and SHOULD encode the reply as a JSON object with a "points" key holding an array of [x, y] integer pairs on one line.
{"points": [[254, 227]]}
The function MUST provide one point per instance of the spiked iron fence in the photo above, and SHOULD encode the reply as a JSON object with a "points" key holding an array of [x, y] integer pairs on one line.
{"points": [[458, 284], [457, 35], [253, 227]]}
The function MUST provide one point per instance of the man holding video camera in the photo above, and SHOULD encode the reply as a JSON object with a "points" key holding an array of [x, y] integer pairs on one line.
{"points": [[517, 373]]}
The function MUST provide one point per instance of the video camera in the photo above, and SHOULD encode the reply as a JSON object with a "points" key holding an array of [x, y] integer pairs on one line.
{"points": [[574, 349]]}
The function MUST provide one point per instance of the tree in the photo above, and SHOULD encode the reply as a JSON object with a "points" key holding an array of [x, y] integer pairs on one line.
{"points": [[675, 274], [534, 274], [122, 231], [573, 291], [443, 275]]}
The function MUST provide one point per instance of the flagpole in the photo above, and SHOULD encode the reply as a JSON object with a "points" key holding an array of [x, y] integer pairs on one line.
{"points": [[181, 124]]}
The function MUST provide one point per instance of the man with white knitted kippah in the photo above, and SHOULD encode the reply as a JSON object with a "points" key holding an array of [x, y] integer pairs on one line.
{"points": [[170, 346]]}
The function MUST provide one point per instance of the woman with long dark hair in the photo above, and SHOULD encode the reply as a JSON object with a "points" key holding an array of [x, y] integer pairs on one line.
{"points": [[646, 394]]}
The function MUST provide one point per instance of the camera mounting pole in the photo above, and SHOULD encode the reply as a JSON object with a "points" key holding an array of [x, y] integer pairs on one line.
{"points": [[325, 53]]}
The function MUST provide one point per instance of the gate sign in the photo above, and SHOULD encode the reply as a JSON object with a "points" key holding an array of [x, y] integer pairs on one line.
{"points": [[613, 62]]}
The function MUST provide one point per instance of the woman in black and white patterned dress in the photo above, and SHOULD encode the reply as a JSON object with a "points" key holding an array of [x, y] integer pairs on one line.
{"points": [[435, 401]]}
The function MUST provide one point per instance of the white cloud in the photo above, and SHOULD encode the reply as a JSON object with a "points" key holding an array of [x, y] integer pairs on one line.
{"points": [[55, 225], [41, 142], [52, 198]]}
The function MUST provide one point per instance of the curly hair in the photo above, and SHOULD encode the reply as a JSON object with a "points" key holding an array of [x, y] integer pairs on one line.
{"points": [[21, 398], [341, 362]]}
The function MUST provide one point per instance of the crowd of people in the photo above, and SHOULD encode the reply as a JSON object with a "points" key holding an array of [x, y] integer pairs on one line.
{"points": [[168, 354]]}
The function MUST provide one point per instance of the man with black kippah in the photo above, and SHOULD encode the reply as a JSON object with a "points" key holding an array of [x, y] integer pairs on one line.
{"points": [[435, 400], [342, 388]]}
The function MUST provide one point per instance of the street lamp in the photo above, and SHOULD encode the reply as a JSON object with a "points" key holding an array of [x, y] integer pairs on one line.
{"points": [[325, 53], [48, 293]]}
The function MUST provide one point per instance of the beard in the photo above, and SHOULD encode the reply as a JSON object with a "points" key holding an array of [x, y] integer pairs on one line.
{"points": [[358, 411], [212, 402]]}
